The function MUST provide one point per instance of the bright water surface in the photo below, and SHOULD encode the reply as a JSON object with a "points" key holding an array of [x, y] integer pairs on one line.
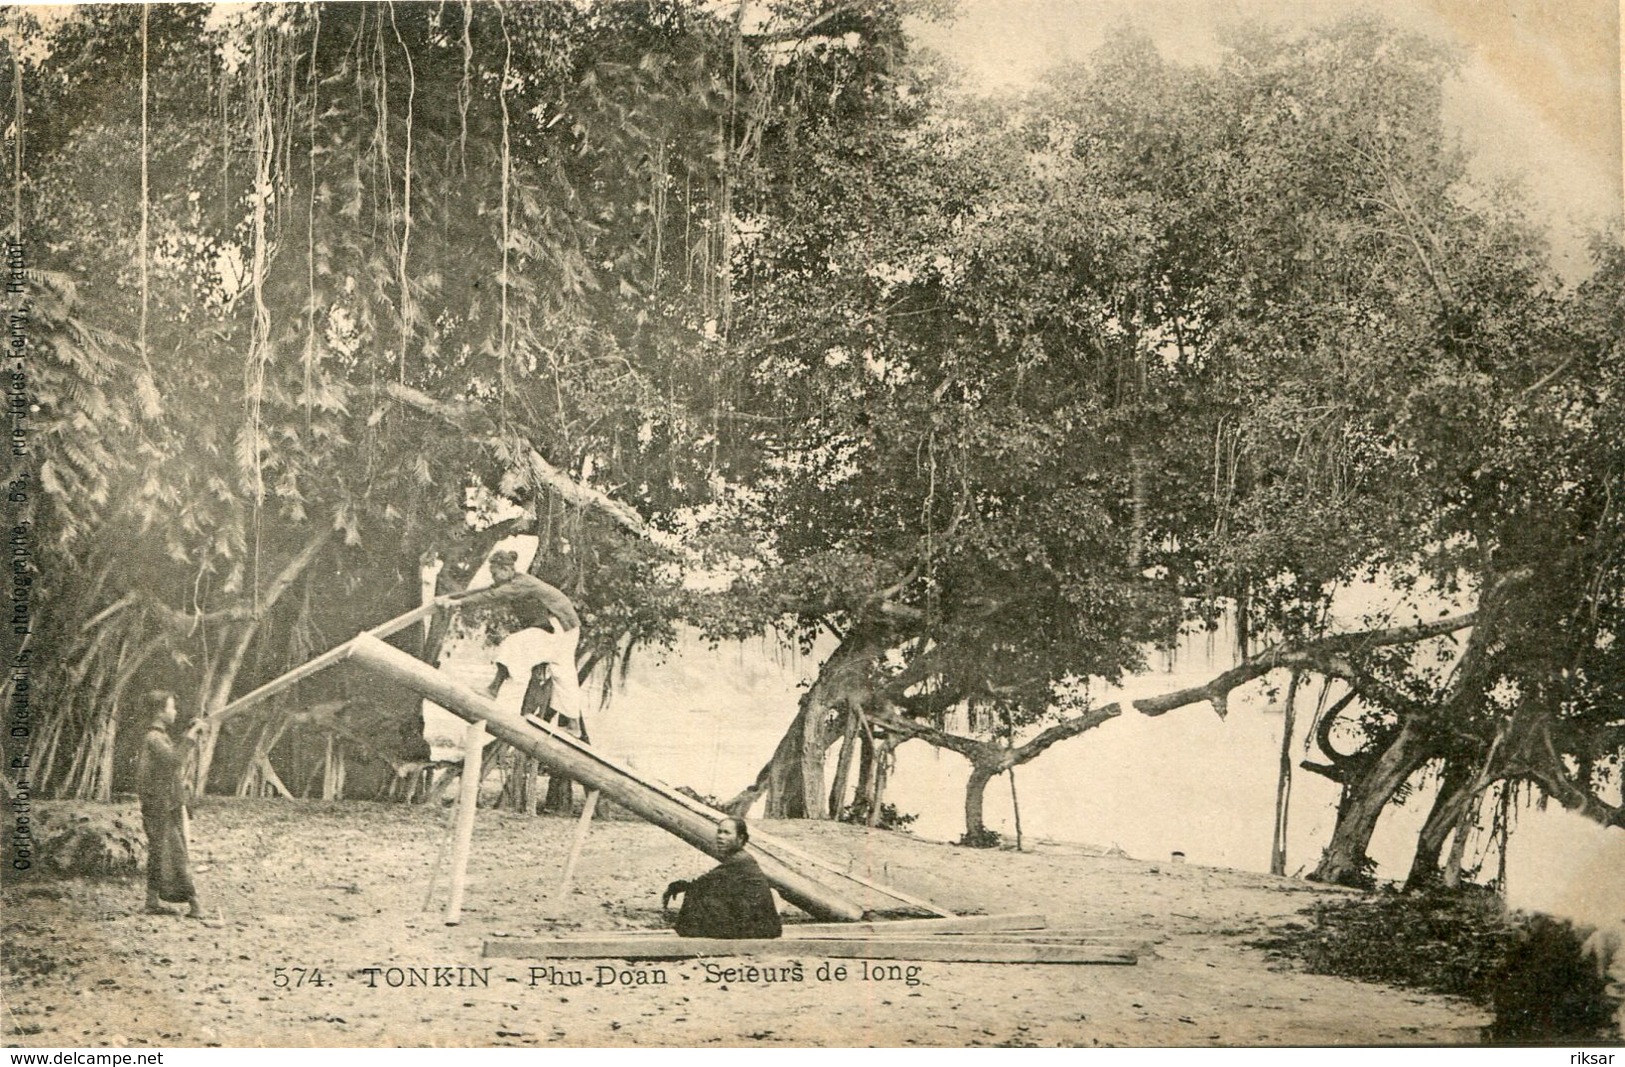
{"points": [[1188, 781]]}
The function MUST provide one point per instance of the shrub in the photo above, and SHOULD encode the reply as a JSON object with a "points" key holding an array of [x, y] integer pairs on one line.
{"points": [[890, 817], [1548, 991], [1531, 970]]}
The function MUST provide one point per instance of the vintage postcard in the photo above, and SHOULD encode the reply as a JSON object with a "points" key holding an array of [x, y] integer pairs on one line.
{"points": [[689, 523]]}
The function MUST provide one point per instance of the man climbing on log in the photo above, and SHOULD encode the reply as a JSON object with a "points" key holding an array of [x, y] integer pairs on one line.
{"points": [[543, 650]]}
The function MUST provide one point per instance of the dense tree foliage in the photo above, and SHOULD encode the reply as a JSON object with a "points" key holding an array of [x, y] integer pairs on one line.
{"points": [[1167, 342], [1000, 395], [352, 273]]}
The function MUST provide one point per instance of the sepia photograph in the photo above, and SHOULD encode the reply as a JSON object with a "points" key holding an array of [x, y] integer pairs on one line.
{"points": [[813, 523]]}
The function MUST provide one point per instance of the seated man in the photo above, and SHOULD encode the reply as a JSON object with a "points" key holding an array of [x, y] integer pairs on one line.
{"points": [[543, 650], [733, 899]]}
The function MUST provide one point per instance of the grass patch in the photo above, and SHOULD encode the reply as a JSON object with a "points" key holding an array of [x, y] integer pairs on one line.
{"points": [[74, 839]]}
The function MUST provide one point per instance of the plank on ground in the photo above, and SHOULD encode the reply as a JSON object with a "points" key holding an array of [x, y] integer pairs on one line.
{"points": [[888, 928], [922, 927], [1016, 937], [925, 949], [1121, 933]]}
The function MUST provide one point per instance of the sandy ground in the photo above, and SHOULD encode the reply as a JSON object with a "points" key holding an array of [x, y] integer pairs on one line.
{"points": [[341, 887]]}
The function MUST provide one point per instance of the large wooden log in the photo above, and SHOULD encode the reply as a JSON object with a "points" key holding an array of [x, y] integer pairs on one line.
{"points": [[584, 823], [763, 843], [573, 759]]}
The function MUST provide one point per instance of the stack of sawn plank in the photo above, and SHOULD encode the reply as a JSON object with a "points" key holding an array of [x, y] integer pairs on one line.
{"points": [[1015, 938]]}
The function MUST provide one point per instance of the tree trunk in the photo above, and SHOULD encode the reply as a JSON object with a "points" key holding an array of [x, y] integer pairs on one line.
{"points": [[1458, 844], [219, 681], [843, 764], [877, 781], [560, 799], [333, 769], [267, 600], [802, 786], [1283, 784], [1455, 782], [779, 779], [793, 780], [866, 768], [1503, 830], [975, 829], [1365, 795], [518, 783], [1015, 806]]}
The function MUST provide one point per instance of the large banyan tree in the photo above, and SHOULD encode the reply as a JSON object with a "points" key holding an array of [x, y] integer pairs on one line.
{"points": [[313, 285], [1164, 344]]}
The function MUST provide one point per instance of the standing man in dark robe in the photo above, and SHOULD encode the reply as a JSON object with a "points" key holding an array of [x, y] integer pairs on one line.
{"points": [[163, 812], [733, 899]]}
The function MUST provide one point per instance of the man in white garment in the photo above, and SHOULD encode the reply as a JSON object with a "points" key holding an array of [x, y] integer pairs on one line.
{"points": [[543, 650]]}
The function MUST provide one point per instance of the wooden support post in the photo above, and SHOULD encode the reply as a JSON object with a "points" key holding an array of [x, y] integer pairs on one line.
{"points": [[468, 798], [1283, 783], [582, 825], [1015, 806], [565, 755], [440, 855]]}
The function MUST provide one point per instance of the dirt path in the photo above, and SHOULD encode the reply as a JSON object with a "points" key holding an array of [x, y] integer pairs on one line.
{"points": [[340, 888]]}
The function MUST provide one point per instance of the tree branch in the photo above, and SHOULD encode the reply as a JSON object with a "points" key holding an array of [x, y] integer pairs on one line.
{"points": [[1550, 774], [986, 754], [975, 751], [1327, 654], [176, 619], [929, 706], [471, 420], [242, 611], [267, 600], [804, 30], [1062, 730]]}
